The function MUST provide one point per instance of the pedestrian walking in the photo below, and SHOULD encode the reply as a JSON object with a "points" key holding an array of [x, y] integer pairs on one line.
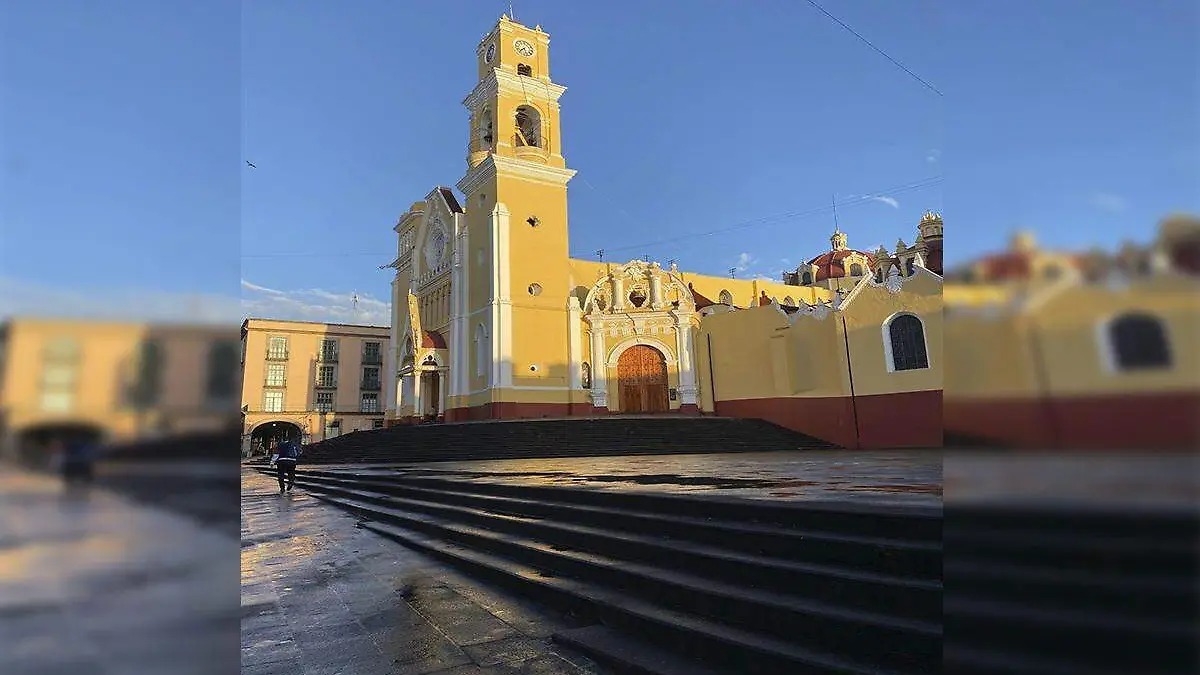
{"points": [[285, 458]]}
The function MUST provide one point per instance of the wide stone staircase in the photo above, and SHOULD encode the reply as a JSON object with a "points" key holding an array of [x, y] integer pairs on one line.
{"points": [[668, 584], [1058, 591], [558, 438]]}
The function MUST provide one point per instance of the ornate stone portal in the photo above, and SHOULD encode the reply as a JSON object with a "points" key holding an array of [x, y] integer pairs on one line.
{"points": [[640, 305]]}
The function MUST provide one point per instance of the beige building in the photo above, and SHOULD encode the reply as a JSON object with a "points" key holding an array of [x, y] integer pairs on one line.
{"points": [[310, 381], [111, 381]]}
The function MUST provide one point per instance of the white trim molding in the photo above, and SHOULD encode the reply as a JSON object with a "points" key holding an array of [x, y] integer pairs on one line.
{"points": [[614, 354]]}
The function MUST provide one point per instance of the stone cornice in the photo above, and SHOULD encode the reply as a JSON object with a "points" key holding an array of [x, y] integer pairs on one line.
{"points": [[495, 164], [501, 81]]}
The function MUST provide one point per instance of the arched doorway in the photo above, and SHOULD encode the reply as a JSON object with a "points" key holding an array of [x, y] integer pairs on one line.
{"points": [[273, 433], [35, 444], [642, 379]]}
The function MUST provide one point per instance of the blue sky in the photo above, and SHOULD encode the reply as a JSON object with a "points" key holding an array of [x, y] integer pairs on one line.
{"points": [[126, 125]]}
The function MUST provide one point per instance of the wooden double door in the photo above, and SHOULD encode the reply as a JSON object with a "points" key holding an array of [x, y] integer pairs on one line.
{"points": [[642, 378]]}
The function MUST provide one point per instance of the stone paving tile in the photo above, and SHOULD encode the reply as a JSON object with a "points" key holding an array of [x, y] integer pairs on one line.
{"points": [[92, 582], [323, 597]]}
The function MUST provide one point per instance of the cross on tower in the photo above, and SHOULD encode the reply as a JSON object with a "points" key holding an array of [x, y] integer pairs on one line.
{"points": [[732, 272], [600, 254]]}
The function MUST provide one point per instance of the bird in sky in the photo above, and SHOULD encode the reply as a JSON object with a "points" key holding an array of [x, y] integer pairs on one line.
{"points": [[249, 164]]}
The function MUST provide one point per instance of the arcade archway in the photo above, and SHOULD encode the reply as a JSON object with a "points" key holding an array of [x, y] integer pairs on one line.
{"points": [[36, 444], [273, 433]]}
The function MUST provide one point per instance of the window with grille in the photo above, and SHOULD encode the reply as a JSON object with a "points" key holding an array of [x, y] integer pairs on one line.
{"points": [[370, 403], [222, 372], [1138, 342], [906, 343], [370, 377], [277, 348], [327, 376], [276, 375], [329, 350], [324, 401], [376, 424], [273, 401], [372, 352]]}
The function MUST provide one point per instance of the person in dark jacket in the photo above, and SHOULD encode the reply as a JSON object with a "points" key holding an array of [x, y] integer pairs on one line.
{"points": [[285, 464], [77, 459]]}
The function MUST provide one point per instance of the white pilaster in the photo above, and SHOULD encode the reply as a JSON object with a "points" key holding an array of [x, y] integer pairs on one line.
{"points": [[688, 390], [459, 353], [599, 365], [575, 336], [418, 402], [618, 290], [442, 387], [501, 332], [656, 300]]}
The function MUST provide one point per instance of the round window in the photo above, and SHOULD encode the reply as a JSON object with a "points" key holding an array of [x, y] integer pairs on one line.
{"points": [[535, 289]]}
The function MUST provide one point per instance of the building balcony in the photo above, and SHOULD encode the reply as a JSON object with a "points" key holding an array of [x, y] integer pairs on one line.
{"points": [[277, 355], [372, 359], [325, 385], [275, 383], [370, 385], [327, 358]]}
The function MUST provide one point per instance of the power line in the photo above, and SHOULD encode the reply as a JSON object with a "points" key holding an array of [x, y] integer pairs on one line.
{"points": [[872, 46], [927, 182]]}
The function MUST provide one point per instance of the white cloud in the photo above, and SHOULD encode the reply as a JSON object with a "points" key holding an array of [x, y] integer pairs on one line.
{"points": [[744, 260], [933, 156], [27, 298], [1109, 202], [890, 201], [313, 304]]}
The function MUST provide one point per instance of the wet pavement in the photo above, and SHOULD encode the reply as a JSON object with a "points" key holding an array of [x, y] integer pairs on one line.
{"points": [[888, 477], [93, 583], [321, 596]]}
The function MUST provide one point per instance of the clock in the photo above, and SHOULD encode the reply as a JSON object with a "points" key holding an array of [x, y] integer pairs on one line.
{"points": [[523, 47], [490, 54], [435, 247]]}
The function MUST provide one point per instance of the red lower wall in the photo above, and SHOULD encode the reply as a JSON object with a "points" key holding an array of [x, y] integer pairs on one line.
{"points": [[904, 420], [1115, 422]]}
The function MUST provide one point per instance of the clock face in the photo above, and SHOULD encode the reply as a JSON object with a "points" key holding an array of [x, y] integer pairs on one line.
{"points": [[435, 248], [523, 48], [490, 54]]}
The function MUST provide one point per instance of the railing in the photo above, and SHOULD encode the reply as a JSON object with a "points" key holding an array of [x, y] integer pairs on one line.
{"points": [[327, 357], [275, 382], [326, 384], [372, 359], [277, 355], [370, 385]]}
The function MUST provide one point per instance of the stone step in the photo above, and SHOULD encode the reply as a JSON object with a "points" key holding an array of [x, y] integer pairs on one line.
{"points": [[628, 655], [560, 437], [721, 646], [743, 605], [917, 561]]}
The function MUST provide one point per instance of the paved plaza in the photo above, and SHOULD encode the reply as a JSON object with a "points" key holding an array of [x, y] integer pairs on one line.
{"points": [[321, 596], [93, 583]]}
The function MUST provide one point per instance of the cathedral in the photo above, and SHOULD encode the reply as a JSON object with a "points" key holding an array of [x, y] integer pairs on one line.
{"points": [[492, 318]]}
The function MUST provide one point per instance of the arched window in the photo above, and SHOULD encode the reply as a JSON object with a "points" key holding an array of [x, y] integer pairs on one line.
{"points": [[904, 343], [529, 127], [486, 127], [909, 267], [879, 275], [856, 270], [726, 298], [587, 375], [480, 350], [1138, 342], [806, 278], [789, 301]]}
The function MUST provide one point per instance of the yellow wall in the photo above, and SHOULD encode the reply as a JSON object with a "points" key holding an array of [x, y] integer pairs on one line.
{"points": [[302, 370], [95, 382]]}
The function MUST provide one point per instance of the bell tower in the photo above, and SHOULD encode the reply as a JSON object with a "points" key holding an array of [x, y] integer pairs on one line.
{"points": [[516, 249]]}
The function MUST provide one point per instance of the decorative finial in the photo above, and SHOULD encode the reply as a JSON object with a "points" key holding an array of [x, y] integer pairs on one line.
{"points": [[900, 245]]}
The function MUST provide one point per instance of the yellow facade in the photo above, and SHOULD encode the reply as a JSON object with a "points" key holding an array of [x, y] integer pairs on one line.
{"points": [[112, 381], [493, 319], [1039, 359], [310, 381]]}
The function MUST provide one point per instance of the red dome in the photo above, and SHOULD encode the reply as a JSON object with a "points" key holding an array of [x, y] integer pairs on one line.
{"points": [[832, 265]]}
